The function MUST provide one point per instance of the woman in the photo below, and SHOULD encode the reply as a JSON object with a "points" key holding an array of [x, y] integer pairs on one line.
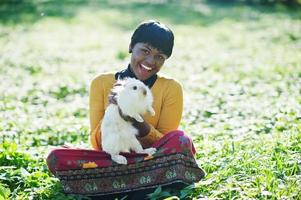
{"points": [[91, 172]]}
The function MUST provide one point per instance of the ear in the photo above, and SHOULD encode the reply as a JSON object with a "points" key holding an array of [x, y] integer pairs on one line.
{"points": [[130, 48]]}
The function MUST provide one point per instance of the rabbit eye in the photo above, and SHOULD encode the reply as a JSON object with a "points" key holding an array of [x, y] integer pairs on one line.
{"points": [[135, 88]]}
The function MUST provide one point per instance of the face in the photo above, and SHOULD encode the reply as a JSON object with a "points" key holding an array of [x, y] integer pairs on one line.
{"points": [[136, 87], [146, 60]]}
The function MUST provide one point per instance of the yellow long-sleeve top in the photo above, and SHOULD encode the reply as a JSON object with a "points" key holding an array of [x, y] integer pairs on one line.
{"points": [[168, 105]]}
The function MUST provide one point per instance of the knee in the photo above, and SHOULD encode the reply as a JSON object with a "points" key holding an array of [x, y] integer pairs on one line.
{"points": [[176, 133], [53, 155], [181, 138], [181, 135], [184, 142], [53, 158]]}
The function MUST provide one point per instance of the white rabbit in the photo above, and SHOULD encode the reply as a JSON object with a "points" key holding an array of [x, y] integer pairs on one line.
{"points": [[133, 99]]}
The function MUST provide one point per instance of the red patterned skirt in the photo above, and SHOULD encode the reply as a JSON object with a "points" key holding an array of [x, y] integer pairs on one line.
{"points": [[93, 173]]}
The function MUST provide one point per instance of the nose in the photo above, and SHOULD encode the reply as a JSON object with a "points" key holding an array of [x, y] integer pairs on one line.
{"points": [[150, 60], [144, 92]]}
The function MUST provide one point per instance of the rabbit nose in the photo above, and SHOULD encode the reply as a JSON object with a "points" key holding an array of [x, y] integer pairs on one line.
{"points": [[144, 91]]}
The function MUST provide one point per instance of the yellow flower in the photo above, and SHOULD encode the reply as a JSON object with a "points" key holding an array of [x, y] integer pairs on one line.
{"points": [[89, 165]]}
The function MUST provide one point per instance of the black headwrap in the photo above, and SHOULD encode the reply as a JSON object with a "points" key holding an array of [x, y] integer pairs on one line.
{"points": [[155, 34]]}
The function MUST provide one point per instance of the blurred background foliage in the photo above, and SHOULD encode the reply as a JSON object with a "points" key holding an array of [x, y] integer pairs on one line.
{"points": [[12, 11]]}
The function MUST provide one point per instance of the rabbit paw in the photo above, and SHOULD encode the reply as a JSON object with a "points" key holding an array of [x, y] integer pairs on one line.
{"points": [[119, 159], [138, 118], [150, 151], [151, 111]]}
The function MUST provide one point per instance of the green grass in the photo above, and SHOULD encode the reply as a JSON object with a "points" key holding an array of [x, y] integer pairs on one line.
{"points": [[240, 68]]}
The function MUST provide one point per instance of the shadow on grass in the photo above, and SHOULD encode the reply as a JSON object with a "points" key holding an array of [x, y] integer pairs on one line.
{"points": [[193, 12], [29, 11]]}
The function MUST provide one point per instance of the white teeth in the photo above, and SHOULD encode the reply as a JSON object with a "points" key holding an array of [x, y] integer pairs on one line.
{"points": [[145, 67]]}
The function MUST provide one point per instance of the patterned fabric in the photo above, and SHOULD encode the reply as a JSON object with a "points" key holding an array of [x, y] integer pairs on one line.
{"points": [[91, 172]]}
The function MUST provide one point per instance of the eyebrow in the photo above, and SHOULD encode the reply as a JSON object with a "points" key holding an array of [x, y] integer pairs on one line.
{"points": [[149, 47]]}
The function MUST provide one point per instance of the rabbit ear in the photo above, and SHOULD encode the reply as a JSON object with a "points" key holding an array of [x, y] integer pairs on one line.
{"points": [[117, 84], [122, 81], [117, 87]]}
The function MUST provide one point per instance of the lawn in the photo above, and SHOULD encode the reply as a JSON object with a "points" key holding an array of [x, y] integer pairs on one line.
{"points": [[239, 64]]}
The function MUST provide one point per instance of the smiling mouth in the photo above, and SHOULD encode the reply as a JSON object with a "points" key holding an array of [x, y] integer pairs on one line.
{"points": [[146, 67]]}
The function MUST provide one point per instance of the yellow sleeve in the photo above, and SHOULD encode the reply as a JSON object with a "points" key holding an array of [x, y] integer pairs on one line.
{"points": [[96, 111], [170, 115]]}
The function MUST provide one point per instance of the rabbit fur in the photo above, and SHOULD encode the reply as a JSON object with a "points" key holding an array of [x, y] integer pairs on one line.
{"points": [[134, 99]]}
